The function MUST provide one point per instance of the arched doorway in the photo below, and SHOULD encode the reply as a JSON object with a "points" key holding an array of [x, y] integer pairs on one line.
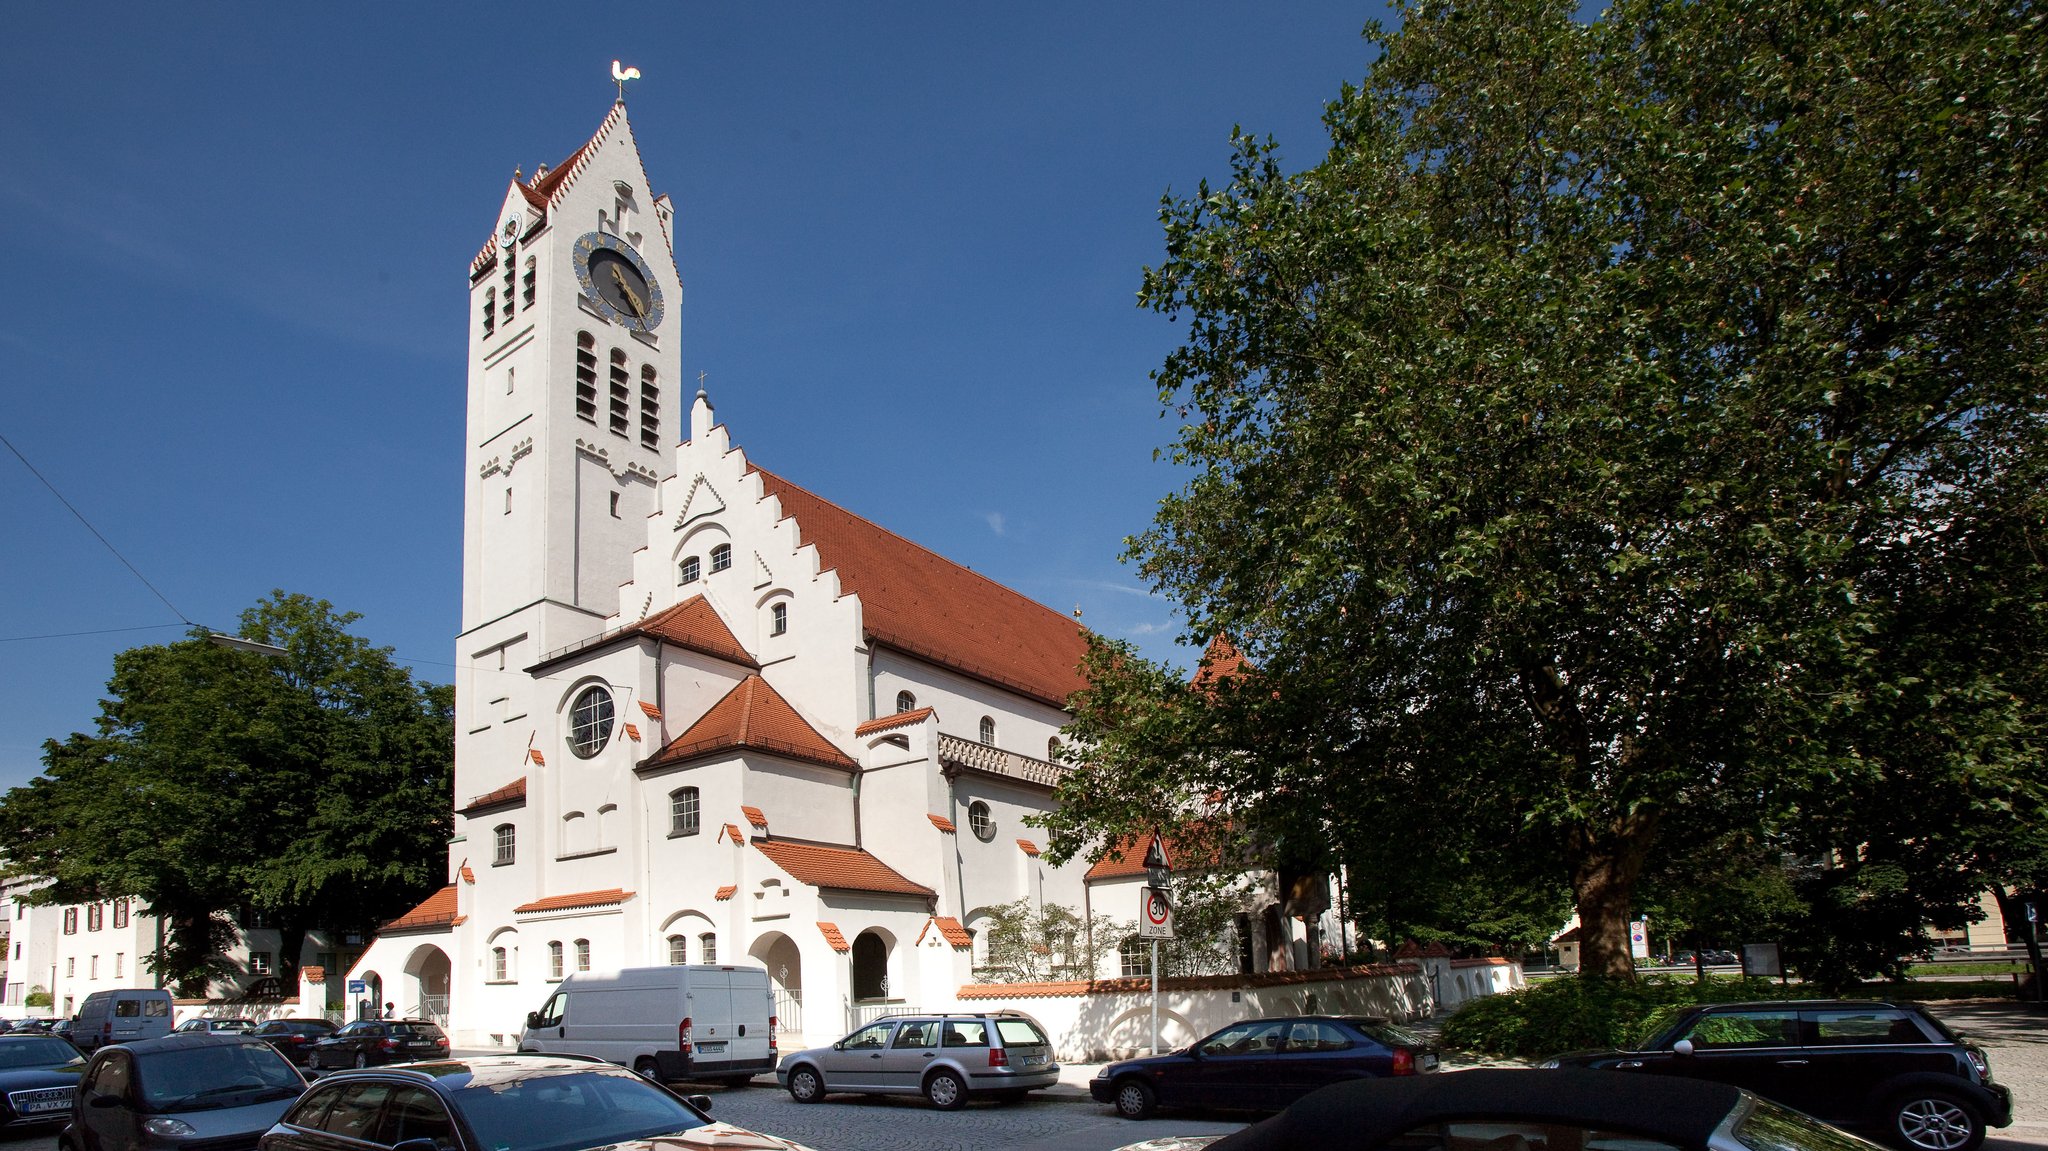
{"points": [[870, 967], [369, 1002], [778, 953], [425, 993]]}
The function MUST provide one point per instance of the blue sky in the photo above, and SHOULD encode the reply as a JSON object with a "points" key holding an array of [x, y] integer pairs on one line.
{"points": [[235, 238]]}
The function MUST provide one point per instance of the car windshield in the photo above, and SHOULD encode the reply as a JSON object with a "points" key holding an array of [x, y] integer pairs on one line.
{"points": [[578, 1109], [214, 1076], [1769, 1127], [31, 1052]]}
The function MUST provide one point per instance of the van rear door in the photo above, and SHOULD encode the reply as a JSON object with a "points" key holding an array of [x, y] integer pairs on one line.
{"points": [[711, 1023]]}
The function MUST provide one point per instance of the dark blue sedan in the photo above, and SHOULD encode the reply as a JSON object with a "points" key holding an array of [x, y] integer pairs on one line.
{"points": [[1263, 1064]]}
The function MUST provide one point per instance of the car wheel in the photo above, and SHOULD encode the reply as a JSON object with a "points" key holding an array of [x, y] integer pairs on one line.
{"points": [[644, 1067], [805, 1086], [362, 1060], [1936, 1121], [1135, 1099], [946, 1091]]}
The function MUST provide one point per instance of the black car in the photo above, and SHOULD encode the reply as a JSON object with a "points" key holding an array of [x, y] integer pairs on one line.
{"points": [[501, 1103], [1263, 1064], [1501, 1110], [38, 1077], [294, 1038], [1888, 1068], [193, 1092], [374, 1042]]}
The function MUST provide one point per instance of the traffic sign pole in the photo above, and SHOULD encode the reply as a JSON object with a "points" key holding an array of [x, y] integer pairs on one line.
{"points": [[1155, 997]]}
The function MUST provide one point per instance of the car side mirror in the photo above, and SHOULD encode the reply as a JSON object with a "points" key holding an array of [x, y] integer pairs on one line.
{"points": [[700, 1102], [532, 1020], [1682, 1047], [839, 1046]]}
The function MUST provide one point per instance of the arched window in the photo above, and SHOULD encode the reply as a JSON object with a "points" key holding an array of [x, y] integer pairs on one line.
{"points": [[1052, 749], [778, 617], [590, 721], [1134, 957], [678, 950], [684, 811], [981, 820], [707, 948], [498, 964], [583, 955], [687, 571], [721, 557], [905, 702], [501, 837], [988, 729], [554, 959]]}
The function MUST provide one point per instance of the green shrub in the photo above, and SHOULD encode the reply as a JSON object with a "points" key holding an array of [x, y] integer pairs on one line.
{"points": [[36, 998], [1570, 1013]]}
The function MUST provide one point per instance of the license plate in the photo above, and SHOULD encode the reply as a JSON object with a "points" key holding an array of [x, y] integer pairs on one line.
{"points": [[712, 1048], [1035, 1060], [1429, 1063], [41, 1102]]}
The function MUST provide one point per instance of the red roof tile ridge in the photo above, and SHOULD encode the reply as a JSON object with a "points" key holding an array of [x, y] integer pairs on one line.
{"points": [[506, 794], [900, 719], [609, 895]]}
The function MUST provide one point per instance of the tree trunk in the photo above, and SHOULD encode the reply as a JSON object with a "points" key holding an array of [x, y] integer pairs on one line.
{"points": [[1605, 863], [2014, 915], [291, 940]]}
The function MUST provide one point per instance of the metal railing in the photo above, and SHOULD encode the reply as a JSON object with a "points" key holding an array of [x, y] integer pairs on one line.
{"points": [[996, 761], [868, 1010], [789, 1010]]}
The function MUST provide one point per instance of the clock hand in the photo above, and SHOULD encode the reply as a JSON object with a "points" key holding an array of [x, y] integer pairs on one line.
{"points": [[639, 309]]}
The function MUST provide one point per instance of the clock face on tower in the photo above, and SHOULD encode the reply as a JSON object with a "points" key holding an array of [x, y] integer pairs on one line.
{"points": [[617, 282]]}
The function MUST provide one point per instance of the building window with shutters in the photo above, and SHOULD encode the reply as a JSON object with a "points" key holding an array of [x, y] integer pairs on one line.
{"points": [[490, 310], [650, 408], [619, 393], [526, 284], [684, 811]]}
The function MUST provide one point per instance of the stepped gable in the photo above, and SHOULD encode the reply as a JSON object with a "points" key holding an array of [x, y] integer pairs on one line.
{"points": [[925, 605], [752, 717], [839, 868], [542, 193]]}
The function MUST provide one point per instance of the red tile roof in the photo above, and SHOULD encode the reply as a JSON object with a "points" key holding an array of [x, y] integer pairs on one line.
{"points": [[754, 717], [652, 711], [1127, 858], [921, 603], [732, 830], [832, 936], [1029, 847], [696, 625], [603, 898], [838, 868], [951, 929], [541, 192], [436, 910], [728, 891], [514, 792], [313, 973], [942, 823], [900, 719], [754, 816], [1220, 662]]}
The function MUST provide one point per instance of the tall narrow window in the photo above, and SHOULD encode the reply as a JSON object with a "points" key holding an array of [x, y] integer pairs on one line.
{"points": [[687, 571], [684, 811], [586, 377], [502, 836], [71, 921], [554, 959], [905, 701], [618, 392], [779, 619], [94, 972], [615, 505], [498, 965], [490, 310], [510, 375], [120, 964], [707, 948], [721, 557], [509, 271], [526, 285], [988, 729], [583, 955], [120, 913], [95, 917], [678, 951], [650, 408]]}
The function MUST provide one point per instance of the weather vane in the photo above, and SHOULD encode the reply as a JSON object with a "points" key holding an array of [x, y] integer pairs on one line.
{"points": [[622, 75]]}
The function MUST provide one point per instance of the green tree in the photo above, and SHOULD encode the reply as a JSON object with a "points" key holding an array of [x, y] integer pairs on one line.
{"points": [[1588, 423], [1028, 944], [310, 789]]}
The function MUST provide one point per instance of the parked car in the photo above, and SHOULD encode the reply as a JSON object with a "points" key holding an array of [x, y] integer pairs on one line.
{"points": [[1889, 1068], [29, 1027], [294, 1038], [502, 1103], [1493, 1109], [1263, 1064], [202, 1024], [66, 1028], [946, 1058], [374, 1042], [192, 1090], [38, 1077], [122, 1015]]}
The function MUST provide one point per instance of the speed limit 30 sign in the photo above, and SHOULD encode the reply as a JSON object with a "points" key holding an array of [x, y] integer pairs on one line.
{"points": [[1155, 914]]}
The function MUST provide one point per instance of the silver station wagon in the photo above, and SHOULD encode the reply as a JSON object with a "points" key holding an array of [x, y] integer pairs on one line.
{"points": [[945, 1058]]}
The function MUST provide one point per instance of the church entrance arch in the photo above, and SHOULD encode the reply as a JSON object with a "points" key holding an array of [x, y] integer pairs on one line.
{"points": [[370, 1001], [778, 953], [870, 967], [424, 990]]}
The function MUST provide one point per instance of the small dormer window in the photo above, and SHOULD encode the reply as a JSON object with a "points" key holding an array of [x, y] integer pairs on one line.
{"points": [[721, 557]]}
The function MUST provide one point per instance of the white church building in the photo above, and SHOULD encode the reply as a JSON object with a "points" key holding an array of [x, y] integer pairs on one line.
{"points": [[702, 714]]}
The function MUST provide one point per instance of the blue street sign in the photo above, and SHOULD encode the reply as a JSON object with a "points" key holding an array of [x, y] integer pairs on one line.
{"points": [[357, 987]]}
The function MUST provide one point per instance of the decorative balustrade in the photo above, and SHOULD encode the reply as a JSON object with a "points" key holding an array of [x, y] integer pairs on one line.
{"points": [[994, 760]]}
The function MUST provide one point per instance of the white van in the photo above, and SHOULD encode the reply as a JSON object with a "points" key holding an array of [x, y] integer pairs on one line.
{"points": [[695, 1021], [121, 1016]]}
